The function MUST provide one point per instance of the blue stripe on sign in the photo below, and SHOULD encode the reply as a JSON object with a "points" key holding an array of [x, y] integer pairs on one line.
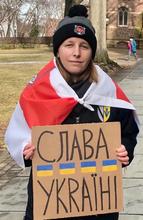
{"points": [[67, 165], [109, 162], [45, 167], [88, 164]]}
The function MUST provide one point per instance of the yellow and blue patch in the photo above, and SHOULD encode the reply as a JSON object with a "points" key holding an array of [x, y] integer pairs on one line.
{"points": [[109, 165], [88, 167], [67, 168], [44, 170], [104, 113]]}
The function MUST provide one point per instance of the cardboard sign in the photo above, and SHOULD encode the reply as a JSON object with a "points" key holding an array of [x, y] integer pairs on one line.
{"points": [[75, 170]]}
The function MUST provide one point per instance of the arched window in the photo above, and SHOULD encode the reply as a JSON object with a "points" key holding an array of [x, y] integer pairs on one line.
{"points": [[123, 16]]}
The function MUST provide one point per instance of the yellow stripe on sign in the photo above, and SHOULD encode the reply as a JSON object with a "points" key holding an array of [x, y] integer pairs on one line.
{"points": [[45, 173], [88, 169], [67, 171], [109, 168]]}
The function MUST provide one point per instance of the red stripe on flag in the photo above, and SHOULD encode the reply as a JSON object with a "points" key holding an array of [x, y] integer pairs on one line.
{"points": [[120, 94], [40, 103]]}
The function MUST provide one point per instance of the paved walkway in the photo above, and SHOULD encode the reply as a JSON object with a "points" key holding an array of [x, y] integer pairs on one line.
{"points": [[13, 180], [133, 176]]}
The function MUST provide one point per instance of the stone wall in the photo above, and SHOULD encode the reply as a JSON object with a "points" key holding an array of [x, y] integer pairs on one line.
{"points": [[26, 40], [117, 33]]}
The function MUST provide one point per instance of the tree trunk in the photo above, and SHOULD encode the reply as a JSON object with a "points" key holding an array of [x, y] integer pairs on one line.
{"points": [[69, 4], [98, 19], [8, 27]]}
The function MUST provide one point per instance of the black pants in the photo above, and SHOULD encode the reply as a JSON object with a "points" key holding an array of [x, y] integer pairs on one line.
{"points": [[29, 209]]}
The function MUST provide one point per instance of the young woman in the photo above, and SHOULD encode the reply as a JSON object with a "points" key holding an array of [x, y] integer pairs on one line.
{"points": [[129, 49], [80, 89]]}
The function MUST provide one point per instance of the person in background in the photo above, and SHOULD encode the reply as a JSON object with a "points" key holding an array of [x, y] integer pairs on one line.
{"points": [[133, 47], [129, 48], [70, 89]]}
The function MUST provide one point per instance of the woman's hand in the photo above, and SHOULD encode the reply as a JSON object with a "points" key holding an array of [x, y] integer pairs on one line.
{"points": [[28, 151], [122, 155]]}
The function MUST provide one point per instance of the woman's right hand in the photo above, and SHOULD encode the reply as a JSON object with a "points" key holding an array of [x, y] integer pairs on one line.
{"points": [[28, 151]]}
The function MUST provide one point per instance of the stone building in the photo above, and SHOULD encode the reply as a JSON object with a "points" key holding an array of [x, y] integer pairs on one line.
{"points": [[124, 20]]}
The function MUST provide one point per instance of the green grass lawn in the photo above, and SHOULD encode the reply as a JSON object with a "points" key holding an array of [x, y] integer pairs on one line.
{"points": [[24, 55], [14, 77]]}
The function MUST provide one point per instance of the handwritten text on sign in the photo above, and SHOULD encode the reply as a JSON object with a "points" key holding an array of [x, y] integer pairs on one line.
{"points": [[75, 170]]}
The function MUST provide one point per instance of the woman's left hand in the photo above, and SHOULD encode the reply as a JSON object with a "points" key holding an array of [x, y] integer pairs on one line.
{"points": [[122, 155]]}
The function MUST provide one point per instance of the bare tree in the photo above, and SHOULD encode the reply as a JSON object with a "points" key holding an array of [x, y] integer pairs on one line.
{"points": [[41, 12], [30, 16], [9, 10], [20, 15]]}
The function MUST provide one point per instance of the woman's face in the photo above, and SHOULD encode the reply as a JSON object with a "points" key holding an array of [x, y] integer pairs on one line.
{"points": [[75, 55]]}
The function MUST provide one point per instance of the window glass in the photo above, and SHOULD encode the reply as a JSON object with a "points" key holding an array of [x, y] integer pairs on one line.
{"points": [[123, 16], [120, 17]]}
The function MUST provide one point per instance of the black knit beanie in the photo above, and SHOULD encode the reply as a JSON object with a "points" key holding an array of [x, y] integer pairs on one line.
{"points": [[76, 24]]}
